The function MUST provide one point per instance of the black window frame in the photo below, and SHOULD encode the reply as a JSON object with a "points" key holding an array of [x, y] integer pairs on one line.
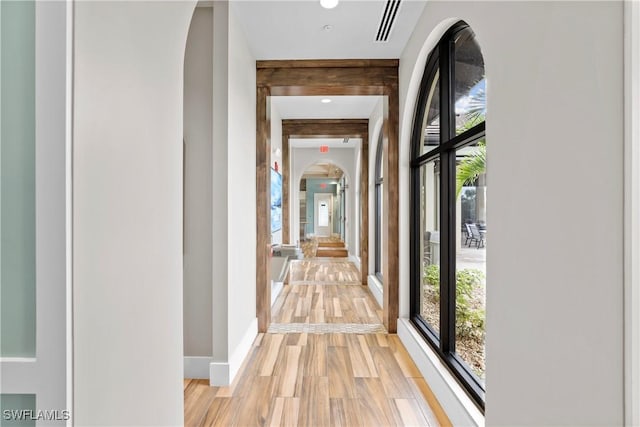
{"points": [[441, 61], [379, 179]]}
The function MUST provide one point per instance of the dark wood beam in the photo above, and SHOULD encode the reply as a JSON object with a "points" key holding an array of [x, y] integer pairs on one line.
{"points": [[263, 213], [361, 76], [390, 263], [326, 128], [329, 63], [331, 77], [364, 208]]}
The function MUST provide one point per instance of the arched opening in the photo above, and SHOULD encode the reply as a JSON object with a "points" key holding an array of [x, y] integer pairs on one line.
{"points": [[322, 207]]}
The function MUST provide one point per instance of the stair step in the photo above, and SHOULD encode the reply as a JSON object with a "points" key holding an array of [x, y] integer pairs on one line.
{"points": [[332, 252], [331, 244]]}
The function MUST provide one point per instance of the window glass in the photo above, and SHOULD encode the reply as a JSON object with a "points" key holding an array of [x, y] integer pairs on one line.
{"points": [[431, 121], [379, 186], [470, 99], [14, 410], [430, 244], [471, 260], [18, 175]]}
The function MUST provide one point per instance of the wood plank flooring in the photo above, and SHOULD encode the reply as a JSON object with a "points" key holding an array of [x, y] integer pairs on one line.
{"points": [[326, 304], [312, 371], [323, 271], [318, 380]]}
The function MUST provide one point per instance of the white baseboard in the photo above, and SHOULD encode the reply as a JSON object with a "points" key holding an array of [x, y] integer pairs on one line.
{"points": [[197, 367], [223, 373], [455, 402], [375, 287], [356, 260], [276, 288]]}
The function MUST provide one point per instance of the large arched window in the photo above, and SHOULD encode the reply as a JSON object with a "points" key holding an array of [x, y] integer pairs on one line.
{"points": [[448, 227], [378, 209]]}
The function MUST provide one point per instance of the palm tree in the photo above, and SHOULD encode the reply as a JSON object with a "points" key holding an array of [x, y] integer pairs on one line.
{"points": [[471, 167], [474, 165]]}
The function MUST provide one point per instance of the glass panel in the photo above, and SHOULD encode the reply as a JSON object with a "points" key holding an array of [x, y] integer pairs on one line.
{"points": [[470, 99], [18, 409], [430, 243], [431, 122], [323, 214], [17, 189], [471, 208], [379, 239]]}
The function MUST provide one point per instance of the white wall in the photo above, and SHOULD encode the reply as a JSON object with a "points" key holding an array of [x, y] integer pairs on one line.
{"points": [[198, 136], [276, 156], [221, 114], [127, 212], [234, 195], [345, 159], [242, 188], [220, 188], [554, 256]]}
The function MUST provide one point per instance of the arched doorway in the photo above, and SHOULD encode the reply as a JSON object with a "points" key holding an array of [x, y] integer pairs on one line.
{"points": [[322, 202]]}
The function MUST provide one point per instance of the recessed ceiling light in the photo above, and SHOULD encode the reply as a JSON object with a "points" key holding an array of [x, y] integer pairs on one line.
{"points": [[328, 4], [325, 100], [327, 27]]}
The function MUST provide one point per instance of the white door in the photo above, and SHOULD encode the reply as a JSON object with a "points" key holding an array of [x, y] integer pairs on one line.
{"points": [[323, 218], [33, 251]]}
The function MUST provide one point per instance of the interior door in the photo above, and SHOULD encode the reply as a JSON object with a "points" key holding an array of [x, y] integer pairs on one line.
{"points": [[33, 230], [323, 218]]}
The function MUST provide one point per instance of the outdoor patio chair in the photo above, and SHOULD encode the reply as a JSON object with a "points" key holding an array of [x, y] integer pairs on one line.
{"points": [[475, 236], [426, 251], [468, 234]]}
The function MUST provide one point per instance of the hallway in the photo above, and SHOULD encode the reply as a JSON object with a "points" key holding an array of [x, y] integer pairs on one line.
{"points": [[326, 361]]}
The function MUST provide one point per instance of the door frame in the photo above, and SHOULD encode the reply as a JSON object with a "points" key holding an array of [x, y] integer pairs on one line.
{"points": [[48, 373], [329, 128], [330, 78], [316, 212]]}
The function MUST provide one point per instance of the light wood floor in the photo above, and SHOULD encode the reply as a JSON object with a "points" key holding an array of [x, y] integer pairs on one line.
{"points": [[320, 379], [325, 291], [323, 271], [326, 304]]}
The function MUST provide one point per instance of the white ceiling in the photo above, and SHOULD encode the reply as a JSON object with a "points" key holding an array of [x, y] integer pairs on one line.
{"points": [[317, 142], [294, 29], [310, 107]]}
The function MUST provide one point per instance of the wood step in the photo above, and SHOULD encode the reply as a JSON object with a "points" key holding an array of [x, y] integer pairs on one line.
{"points": [[332, 252], [331, 244]]}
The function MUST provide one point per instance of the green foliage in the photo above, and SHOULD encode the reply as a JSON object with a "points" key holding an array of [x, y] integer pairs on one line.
{"points": [[471, 167], [432, 276], [469, 319], [470, 316]]}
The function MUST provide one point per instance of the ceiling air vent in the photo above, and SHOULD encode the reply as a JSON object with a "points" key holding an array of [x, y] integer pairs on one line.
{"points": [[387, 20]]}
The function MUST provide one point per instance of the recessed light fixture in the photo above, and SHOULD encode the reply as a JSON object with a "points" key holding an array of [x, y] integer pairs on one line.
{"points": [[327, 27], [325, 100], [328, 4]]}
